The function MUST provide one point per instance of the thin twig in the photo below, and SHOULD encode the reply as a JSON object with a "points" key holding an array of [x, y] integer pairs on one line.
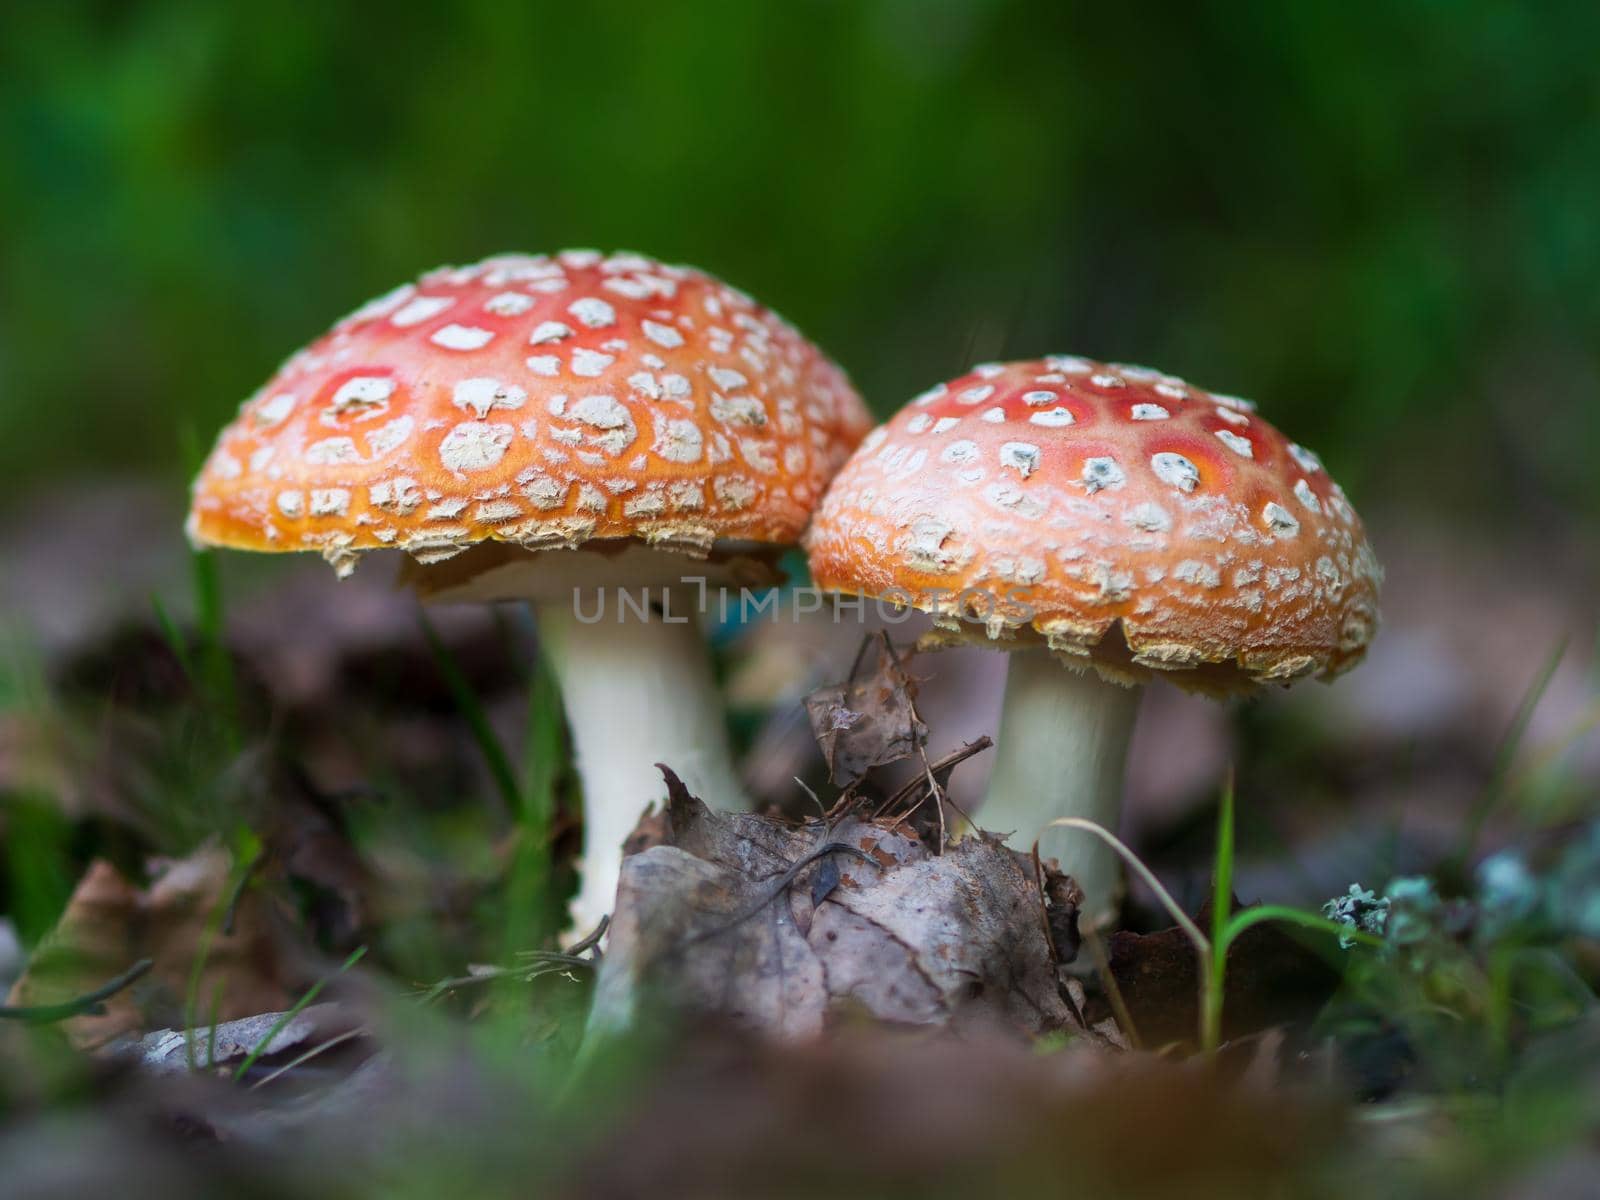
{"points": [[846, 801], [935, 791], [295, 1010], [1050, 942], [1102, 964], [950, 761], [960, 812], [88, 1004], [782, 885], [815, 799], [589, 942], [1201, 942], [888, 646], [552, 964], [340, 1040], [861, 653], [558, 964], [885, 805], [1044, 909], [537, 963]]}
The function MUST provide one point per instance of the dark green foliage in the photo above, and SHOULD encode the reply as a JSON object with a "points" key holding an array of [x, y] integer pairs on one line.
{"points": [[1378, 221], [1460, 986]]}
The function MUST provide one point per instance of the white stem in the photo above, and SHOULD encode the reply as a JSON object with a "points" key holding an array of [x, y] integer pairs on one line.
{"points": [[637, 693], [1060, 752]]}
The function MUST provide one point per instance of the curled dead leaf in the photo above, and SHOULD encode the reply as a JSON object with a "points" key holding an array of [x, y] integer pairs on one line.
{"points": [[868, 721], [110, 923], [736, 915], [1271, 978]]}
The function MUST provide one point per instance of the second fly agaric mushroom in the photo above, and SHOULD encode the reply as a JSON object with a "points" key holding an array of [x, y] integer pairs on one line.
{"points": [[1109, 524], [491, 419]]}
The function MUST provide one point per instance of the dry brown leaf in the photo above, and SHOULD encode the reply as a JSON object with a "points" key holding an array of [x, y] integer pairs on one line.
{"points": [[720, 919], [272, 1037], [110, 924], [868, 721], [1271, 978]]}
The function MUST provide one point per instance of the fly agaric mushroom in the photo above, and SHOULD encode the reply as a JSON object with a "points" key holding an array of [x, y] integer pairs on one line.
{"points": [[490, 419], [1108, 519]]}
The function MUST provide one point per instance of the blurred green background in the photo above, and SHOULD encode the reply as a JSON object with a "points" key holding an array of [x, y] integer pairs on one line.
{"points": [[1382, 221]]}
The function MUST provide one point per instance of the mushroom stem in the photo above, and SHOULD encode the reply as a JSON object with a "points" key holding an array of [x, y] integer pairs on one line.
{"points": [[1061, 750], [637, 692]]}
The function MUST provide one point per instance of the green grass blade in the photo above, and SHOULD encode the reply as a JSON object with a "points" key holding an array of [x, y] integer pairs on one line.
{"points": [[494, 754], [1226, 931], [191, 998], [1221, 904], [40, 873], [1245, 918], [300, 1006], [532, 912], [1505, 755], [1201, 943], [215, 663], [176, 642], [211, 1035], [1222, 872], [544, 756]]}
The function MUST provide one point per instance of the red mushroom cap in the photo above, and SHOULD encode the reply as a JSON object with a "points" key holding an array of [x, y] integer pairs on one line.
{"points": [[540, 401], [1058, 499]]}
